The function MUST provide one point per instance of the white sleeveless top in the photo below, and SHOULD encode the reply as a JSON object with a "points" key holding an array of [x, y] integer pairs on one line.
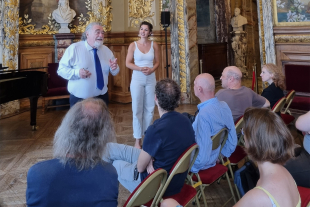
{"points": [[144, 60]]}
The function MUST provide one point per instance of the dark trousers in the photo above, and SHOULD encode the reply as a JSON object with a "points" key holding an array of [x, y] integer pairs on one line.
{"points": [[299, 167], [74, 99]]}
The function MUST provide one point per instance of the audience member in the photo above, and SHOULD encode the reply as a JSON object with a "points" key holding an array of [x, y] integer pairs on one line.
{"points": [[213, 116], [238, 97], [270, 144], [77, 176], [299, 167], [275, 78], [165, 140]]}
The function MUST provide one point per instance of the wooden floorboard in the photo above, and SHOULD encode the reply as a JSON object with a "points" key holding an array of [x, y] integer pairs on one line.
{"points": [[20, 148]]}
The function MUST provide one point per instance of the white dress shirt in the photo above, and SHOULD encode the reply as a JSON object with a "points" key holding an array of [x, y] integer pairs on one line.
{"points": [[80, 55]]}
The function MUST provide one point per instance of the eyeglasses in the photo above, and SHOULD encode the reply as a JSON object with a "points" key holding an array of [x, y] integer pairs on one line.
{"points": [[242, 131]]}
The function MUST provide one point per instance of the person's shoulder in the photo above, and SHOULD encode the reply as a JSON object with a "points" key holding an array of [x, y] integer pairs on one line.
{"points": [[43, 165], [254, 198], [155, 44], [108, 168], [223, 90]]}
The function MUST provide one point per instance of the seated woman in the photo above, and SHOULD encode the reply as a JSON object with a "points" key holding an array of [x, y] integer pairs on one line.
{"points": [[299, 167], [274, 76], [77, 176], [270, 144]]}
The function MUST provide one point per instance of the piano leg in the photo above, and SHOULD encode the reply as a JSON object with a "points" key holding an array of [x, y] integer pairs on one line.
{"points": [[33, 111]]}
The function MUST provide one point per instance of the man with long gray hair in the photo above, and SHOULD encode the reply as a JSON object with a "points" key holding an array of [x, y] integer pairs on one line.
{"points": [[87, 64], [77, 176]]}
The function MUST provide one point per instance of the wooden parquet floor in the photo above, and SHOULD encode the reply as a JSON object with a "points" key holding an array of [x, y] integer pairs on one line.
{"points": [[20, 148]]}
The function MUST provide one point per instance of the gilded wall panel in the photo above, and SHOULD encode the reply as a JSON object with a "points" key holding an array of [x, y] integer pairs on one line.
{"points": [[141, 10], [10, 46]]}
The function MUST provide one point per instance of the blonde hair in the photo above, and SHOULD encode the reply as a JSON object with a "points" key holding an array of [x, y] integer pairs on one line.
{"points": [[278, 77]]}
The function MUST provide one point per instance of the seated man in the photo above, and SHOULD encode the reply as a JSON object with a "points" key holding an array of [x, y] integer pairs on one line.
{"points": [[238, 97], [213, 116], [77, 176], [165, 140]]}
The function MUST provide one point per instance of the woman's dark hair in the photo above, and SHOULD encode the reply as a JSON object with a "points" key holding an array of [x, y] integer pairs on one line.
{"points": [[150, 26], [267, 138]]}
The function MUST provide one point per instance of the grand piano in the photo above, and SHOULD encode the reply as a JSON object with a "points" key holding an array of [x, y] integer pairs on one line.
{"points": [[26, 83]]}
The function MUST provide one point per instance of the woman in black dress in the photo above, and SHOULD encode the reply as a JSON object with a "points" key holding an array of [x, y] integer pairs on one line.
{"points": [[275, 78]]}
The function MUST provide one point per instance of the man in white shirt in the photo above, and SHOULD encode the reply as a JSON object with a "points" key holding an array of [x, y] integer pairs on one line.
{"points": [[86, 64]]}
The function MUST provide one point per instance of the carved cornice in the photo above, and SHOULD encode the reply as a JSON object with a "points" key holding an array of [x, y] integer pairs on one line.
{"points": [[292, 39], [36, 43], [110, 38]]}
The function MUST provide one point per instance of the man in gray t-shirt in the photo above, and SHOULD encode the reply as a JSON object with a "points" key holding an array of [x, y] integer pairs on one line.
{"points": [[238, 97]]}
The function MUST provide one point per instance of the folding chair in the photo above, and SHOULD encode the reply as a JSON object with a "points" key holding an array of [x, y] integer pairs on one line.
{"points": [[279, 105], [239, 126], [148, 189], [210, 175], [183, 164], [304, 196], [289, 98]]}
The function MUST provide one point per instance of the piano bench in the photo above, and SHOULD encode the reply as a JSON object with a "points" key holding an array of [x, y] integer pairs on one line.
{"points": [[46, 99]]}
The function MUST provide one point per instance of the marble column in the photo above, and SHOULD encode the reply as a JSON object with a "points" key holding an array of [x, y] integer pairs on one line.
{"points": [[10, 47], [266, 38]]}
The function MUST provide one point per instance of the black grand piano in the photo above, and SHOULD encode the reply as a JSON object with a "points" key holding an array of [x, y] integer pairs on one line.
{"points": [[26, 83]]}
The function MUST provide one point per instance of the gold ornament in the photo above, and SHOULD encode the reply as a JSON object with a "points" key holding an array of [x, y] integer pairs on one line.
{"points": [[181, 37]]}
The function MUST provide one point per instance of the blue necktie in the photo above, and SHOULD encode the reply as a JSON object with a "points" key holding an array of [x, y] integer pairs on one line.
{"points": [[100, 82]]}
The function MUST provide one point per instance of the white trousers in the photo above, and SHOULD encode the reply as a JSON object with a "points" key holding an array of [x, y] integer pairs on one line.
{"points": [[142, 90]]}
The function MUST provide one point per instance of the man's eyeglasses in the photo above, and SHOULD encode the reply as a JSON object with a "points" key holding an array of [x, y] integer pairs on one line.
{"points": [[242, 131]]}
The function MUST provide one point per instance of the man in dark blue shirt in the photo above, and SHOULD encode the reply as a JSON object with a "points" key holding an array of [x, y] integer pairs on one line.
{"points": [[165, 140]]}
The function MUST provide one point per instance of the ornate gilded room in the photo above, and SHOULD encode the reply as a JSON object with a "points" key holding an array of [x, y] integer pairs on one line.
{"points": [[193, 37]]}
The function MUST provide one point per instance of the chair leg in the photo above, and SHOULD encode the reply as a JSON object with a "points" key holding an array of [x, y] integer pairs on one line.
{"points": [[232, 192], [232, 175]]}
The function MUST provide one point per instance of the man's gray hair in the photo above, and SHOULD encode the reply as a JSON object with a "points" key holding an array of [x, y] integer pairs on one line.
{"points": [[82, 137], [231, 73], [88, 27]]}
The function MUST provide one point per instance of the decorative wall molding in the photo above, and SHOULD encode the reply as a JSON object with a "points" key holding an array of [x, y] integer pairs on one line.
{"points": [[296, 39], [139, 11]]}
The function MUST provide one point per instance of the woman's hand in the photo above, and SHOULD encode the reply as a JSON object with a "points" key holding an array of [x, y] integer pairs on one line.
{"points": [[147, 70]]}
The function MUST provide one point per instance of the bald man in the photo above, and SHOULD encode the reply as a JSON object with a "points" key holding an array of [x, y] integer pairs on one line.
{"points": [[238, 97], [213, 116]]}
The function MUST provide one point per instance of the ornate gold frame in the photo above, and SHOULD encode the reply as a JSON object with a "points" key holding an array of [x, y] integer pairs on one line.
{"points": [[102, 14], [276, 23]]}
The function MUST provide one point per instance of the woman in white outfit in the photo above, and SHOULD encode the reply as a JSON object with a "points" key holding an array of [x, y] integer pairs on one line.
{"points": [[143, 59]]}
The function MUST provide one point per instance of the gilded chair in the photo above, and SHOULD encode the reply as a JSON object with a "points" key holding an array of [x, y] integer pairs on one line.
{"points": [[148, 189], [207, 177]]}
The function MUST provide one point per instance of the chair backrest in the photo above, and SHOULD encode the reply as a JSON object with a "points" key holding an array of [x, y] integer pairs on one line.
{"points": [[54, 80], [184, 163], [279, 105], [289, 98], [239, 125], [219, 139], [148, 189]]}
